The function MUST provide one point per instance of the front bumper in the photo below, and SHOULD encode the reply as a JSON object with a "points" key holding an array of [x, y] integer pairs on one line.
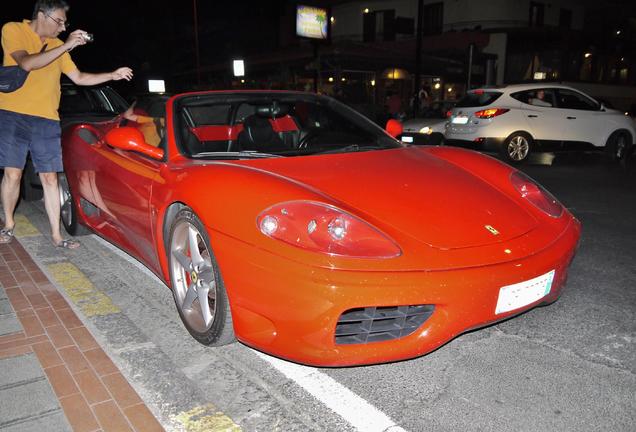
{"points": [[291, 309]]}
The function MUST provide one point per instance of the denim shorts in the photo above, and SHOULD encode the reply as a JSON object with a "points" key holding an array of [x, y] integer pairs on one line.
{"points": [[22, 133]]}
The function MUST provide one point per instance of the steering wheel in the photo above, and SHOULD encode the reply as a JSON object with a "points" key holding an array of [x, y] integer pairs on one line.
{"points": [[303, 143]]}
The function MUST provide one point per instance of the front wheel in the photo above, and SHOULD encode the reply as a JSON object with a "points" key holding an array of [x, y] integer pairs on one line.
{"points": [[197, 287], [618, 146], [516, 148], [68, 210]]}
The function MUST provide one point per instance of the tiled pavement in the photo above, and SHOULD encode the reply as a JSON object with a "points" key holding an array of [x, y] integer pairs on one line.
{"points": [[54, 376]]}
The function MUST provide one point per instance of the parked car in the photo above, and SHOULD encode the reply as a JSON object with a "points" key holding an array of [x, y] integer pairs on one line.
{"points": [[430, 128], [77, 104], [296, 225], [515, 121]]}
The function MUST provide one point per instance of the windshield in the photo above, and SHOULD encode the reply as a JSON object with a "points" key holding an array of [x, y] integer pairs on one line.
{"points": [[248, 125]]}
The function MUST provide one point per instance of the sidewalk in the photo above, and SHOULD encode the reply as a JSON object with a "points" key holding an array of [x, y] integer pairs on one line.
{"points": [[53, 374]]}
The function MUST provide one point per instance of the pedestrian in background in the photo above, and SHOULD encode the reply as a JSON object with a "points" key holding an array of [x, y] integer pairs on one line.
{"points": [[425, 98], [29, 115]]}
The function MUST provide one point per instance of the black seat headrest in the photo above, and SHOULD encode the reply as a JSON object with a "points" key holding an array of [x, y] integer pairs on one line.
{"points": [[273, 110]]}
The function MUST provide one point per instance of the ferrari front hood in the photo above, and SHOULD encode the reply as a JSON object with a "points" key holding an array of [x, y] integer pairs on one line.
{"points": [[411, 191]]}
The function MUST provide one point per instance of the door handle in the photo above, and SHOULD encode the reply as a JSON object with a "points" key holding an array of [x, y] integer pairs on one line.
{"points": [[532, 116], [571, 118]]}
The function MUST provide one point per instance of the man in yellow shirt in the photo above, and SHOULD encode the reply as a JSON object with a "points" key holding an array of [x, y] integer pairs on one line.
{"points": [[29, 117]]}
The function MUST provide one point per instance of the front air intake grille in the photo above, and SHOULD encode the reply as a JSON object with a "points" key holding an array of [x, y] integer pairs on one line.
{"points": [[375, 324]]}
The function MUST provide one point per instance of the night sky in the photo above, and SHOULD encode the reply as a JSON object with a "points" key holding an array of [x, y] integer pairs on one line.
{"points": [[156, 39]]}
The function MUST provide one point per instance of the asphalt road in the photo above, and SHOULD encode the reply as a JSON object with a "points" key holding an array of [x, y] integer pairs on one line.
{"points": [[569, 366]]}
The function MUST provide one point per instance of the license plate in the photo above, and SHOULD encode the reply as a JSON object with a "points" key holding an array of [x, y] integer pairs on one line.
{"points": [[521, 294], [407, 139], [460, 120]]}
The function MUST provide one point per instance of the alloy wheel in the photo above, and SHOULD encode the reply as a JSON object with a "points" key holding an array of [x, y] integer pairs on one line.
{"points": [[194, 281], [621, 145], [518, 148]]}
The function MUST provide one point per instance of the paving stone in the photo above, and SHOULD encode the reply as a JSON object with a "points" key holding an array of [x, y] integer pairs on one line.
{"points": [[15, 370], [30, 399], [9, 324], [50, 422], [5, 306]]}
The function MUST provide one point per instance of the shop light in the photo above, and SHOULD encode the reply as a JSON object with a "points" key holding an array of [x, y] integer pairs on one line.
{"points": [[156, 86], [450, 89], [330, 79], [343, 79], [437, 86], [239, 68], [373, 83], [366, 10], [587, 55], [332, 19]]}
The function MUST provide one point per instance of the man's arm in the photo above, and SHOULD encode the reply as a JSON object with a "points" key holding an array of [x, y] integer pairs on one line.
{"points": [[30, 62], [88, 79]]}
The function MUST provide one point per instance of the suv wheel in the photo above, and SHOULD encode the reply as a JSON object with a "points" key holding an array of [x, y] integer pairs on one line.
{"points": [[516, 148], [617, 146]]}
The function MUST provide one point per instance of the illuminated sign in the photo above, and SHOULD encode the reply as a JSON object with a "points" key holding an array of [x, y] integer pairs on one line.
{"points": [[156, 86], [311, 22], [239, 68]]}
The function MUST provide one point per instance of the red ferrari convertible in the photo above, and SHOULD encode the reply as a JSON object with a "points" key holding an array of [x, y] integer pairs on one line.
{"points": [[292, 223]]}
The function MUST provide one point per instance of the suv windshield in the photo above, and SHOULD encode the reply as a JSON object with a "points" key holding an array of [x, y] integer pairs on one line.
{"points": [[478, 99], [263, 124]]}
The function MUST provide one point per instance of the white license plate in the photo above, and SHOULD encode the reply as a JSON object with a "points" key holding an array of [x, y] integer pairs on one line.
{"points": [[407, 139], [521, 294], [460, 120]]}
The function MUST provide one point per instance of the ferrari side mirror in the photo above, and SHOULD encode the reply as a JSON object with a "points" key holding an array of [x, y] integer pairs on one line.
{"points": [[131, 139]]}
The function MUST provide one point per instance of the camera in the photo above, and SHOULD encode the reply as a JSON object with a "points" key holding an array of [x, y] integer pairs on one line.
{"points": [[88, 37]]}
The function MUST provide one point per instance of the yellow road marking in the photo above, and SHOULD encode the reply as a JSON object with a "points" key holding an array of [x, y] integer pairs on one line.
{"points": [[24, 228], [81, 291], [206, 418]]}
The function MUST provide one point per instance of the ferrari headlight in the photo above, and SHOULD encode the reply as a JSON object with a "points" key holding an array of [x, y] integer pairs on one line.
{"points": [[326, 229]]}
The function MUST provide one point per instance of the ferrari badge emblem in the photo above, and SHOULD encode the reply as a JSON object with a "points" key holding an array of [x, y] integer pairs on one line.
{"points": [[492, 230]]}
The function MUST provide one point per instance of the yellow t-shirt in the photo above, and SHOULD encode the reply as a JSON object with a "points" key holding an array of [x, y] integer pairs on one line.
{"points": [[40, 94]]}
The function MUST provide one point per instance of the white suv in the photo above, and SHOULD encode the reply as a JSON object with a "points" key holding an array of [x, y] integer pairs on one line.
{"points": [[518, 119]]}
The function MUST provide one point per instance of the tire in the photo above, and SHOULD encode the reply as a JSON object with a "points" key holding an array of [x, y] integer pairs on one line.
{"points": [[436, 139], [28, 191], [618, 146], [197, 286], [68, 209], [516, 148]]}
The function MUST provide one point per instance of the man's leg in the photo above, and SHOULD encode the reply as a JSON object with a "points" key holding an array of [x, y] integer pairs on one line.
{"points": [[10, 191], [52, 203]]}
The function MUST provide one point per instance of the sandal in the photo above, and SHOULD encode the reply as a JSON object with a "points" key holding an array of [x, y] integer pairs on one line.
{"points": [[68, 244], [6, 235]]}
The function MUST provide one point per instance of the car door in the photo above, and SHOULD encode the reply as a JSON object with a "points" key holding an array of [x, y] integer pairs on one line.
{"points": [[582, 117], [123, 185], [545, 123]]}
